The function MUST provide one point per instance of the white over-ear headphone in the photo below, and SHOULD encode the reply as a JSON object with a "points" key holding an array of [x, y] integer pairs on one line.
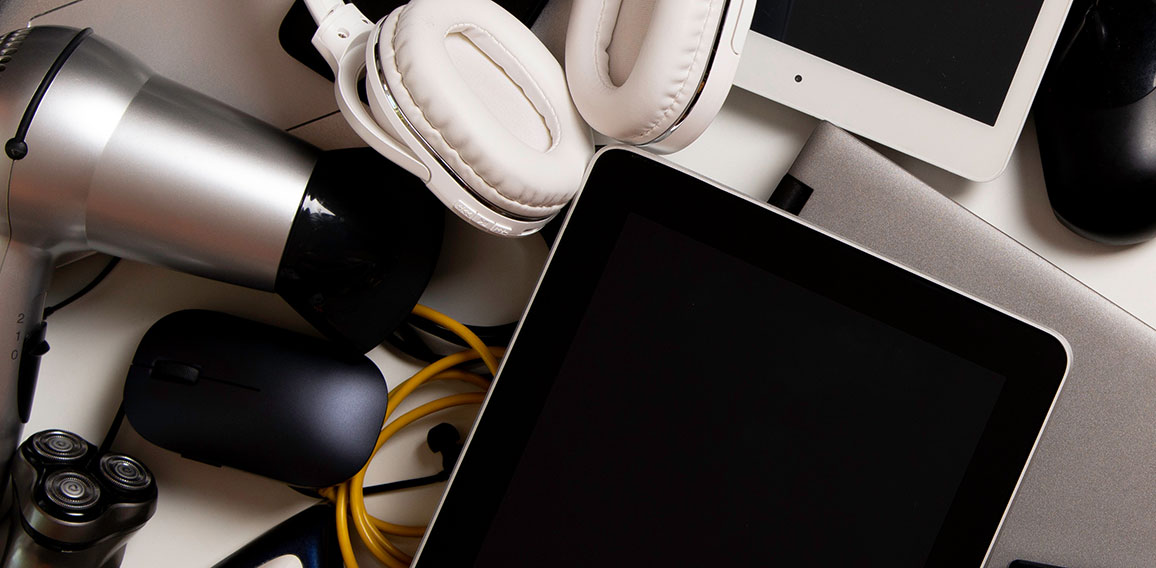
{"points": [[464, 96], [654, 72]]}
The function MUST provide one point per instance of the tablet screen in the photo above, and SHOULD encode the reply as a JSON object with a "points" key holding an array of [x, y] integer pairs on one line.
{"points": [[824, 423], [721, 385], [961, 55]]}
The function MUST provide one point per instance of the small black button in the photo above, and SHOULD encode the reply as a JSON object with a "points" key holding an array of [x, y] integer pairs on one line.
{"points": [[175, 371]]}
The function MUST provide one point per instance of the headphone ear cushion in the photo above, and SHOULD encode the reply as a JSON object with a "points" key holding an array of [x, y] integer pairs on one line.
{"points": [[634, 66], [489, 99]]}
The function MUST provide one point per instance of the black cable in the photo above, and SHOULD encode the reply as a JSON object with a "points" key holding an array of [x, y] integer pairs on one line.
{"points": [[407, 483], [443, 439], [113, 429], [386, 487], [16, 148], [87, 288], [406, 339], [496, 335]]}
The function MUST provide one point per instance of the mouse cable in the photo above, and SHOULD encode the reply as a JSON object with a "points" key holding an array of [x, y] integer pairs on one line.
{"points": [[349, 496], [387, 487], [86, 289], [407, 483], [113, 429]]}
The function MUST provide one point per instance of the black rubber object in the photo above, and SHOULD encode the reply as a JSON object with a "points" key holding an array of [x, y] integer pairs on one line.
{"points": [[791, 195], [310, 536], [1096, 122], [34, 348], [362, 247], [264, 400]]}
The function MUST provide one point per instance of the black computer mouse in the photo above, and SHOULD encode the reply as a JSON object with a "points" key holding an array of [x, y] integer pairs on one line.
{"points": [[1096, 122], [231, 392]]}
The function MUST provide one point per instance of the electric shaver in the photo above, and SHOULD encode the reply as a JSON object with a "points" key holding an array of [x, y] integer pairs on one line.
{"points": [[74, 507]]}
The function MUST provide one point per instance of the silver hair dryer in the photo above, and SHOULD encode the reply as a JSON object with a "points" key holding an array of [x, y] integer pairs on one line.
{"points": [[104, 155]]}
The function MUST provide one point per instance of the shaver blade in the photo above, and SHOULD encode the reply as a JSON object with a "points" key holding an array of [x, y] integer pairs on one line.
{"points": [[124, 472], [59, 446], [71, 490]]}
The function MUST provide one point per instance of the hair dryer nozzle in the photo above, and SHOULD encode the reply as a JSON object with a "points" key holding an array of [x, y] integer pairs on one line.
{"points": [[362, 247]]}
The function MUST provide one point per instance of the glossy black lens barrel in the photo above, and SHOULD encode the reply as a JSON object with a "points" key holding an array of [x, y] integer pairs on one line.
{"points": [[362, 247]]}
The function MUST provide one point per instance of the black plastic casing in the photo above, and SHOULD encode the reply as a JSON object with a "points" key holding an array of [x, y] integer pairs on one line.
{"points": [[230, 392], [362, 248], [1096, 123], [309, 536]]}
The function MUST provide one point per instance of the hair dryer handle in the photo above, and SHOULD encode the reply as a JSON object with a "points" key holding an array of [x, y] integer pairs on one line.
{"points": [[24, 273]]}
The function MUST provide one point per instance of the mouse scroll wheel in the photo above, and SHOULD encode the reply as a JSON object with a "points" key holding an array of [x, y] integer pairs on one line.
{"points": [[175, 371]]}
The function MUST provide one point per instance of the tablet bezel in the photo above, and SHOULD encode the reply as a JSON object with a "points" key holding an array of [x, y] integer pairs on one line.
{"points": [[661, 193], [895, 118]]}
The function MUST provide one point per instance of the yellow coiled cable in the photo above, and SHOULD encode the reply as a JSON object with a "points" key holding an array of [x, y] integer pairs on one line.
{"points": [[349, 497]]}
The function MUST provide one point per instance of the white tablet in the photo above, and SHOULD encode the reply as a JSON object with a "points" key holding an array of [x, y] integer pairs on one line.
{"points": [[947, 81]]}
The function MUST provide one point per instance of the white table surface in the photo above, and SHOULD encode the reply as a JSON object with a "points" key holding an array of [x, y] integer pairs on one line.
{"points": [[228, 49]]}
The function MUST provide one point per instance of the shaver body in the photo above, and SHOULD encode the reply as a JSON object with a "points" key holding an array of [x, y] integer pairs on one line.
{"points": [[73, 507], [104, 155]]}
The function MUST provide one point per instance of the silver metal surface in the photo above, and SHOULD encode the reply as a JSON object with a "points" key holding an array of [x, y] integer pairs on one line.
{"points": [[24, 273], [189, 183], [137, 166], [1088, 496]]}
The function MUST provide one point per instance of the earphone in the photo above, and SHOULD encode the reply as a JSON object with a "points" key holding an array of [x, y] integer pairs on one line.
{"points": [[464, 96]]}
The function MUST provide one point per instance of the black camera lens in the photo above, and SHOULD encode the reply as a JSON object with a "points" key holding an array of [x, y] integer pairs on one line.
{"points": [[71, 490], [124, 473], [59, 446]]}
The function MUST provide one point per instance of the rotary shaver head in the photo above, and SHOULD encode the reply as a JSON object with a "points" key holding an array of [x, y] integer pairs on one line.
{"points": [[57, 447], [69, 497]]}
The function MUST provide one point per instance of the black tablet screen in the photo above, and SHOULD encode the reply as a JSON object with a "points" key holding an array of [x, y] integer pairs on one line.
{"points": [[771, 419], [958, 54], [722, 385]]}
